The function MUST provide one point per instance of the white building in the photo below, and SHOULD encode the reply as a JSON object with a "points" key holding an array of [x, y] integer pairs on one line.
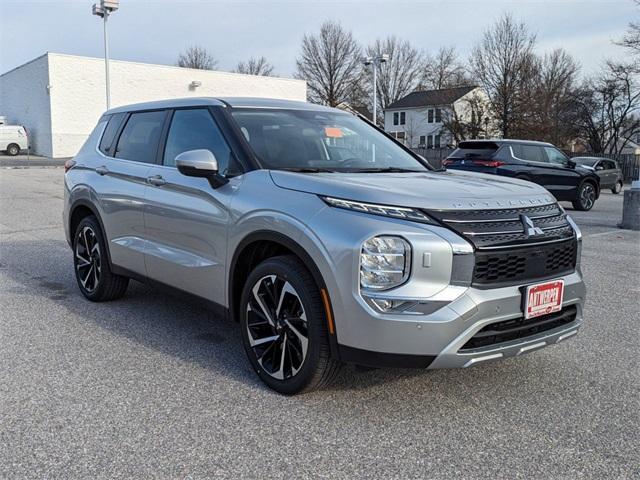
{"points": [[429, 118], [59, 98]]}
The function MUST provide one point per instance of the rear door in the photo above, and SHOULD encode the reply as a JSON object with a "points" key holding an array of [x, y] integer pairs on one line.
{"points": [[186, 219], [129, 147]]}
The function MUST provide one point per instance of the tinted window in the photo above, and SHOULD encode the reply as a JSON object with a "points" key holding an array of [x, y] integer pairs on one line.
{"points": [[474, 149], [555, 156], [196, 129], [609, 165], [139, 139], [530, 153], [110, 133], [402, 118]]}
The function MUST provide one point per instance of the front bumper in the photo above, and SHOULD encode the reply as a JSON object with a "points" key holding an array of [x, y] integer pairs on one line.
{"points": [[437, 340]]}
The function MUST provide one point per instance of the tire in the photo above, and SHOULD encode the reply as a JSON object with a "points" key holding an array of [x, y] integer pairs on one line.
{"points": [[586, 197], [13, 149], [275, 342], [93, 273], [617, 188]]}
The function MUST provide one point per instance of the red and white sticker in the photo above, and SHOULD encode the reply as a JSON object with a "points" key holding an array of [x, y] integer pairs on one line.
{"points": [[543, 298]]}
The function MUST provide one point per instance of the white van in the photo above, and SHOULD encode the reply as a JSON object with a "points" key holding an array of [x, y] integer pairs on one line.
{"points": [[13, 139]]}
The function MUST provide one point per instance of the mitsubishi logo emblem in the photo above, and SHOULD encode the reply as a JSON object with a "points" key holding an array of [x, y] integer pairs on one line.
{"points": [[530, 230]]}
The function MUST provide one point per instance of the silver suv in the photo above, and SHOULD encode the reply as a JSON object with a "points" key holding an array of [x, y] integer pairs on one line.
{"points": [[327, 240]]}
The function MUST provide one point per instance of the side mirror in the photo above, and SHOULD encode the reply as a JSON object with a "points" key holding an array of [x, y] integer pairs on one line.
{"points": [[200, 163], [571, 164], [599, 167]]}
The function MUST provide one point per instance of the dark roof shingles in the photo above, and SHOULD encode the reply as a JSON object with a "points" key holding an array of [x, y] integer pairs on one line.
{"points": [[423, 98]]}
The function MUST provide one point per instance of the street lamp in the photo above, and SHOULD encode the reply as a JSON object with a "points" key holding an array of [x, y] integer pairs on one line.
{"points": [[376, 62], [106, 8]]}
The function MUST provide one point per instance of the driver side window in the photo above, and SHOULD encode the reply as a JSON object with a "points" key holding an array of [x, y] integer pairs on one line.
{"points": [[555, 156]]}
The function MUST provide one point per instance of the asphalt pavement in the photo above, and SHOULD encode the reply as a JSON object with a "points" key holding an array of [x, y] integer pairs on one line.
{"points": [[151, 386]]}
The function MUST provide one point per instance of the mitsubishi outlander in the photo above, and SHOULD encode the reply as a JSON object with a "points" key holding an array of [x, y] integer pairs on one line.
{"points": [[327, 240]]}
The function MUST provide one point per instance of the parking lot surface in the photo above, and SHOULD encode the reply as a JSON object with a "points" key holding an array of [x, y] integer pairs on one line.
{"points": [[151, 386]]}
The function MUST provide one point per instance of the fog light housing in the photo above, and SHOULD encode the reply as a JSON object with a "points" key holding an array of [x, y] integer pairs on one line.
{"points": [[384, 262]]}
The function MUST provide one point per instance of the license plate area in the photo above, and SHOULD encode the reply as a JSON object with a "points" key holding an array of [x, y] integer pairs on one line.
{"points": [[543, 298]]}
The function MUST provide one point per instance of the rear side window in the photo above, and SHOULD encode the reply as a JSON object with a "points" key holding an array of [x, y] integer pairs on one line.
{"points": [[107, 142], [139, 138], [475, 150], [530, 153], [555, 156], [195, 129]]}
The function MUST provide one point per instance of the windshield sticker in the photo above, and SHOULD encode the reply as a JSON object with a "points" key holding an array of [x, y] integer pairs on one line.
{"points": [[333, 132]]}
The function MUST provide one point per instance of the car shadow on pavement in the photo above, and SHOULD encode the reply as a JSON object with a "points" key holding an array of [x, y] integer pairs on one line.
{"points": [[155, 318]]}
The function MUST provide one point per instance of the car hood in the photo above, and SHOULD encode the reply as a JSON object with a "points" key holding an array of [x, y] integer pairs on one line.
{"points": [[442, 190]]}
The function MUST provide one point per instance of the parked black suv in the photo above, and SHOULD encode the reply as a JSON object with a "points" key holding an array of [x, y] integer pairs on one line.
{"points": [[538, 162]]}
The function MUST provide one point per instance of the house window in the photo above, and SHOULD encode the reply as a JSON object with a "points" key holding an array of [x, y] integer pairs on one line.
{"points": [[436, 141], [438, 115], [430, 116], [402, 118], [430, 141], [422, 141], [395, 118]]}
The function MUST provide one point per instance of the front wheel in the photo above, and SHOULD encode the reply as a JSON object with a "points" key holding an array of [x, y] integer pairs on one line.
{"points": [[284, 327], [617, 188], [13, 149], [585, 198]]}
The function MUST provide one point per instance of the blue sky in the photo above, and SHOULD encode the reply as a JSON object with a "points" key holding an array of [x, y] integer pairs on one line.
{"points": [[156, 31]]}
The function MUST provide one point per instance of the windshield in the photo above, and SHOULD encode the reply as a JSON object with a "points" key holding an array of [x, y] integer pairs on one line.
{"points": [[314, 141]]}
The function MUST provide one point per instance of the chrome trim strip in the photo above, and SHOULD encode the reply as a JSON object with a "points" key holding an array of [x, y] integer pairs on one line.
{"points": [[499, 220]]}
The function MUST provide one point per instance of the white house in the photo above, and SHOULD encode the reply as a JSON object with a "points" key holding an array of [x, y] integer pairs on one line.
{"points": [[432, 118], [59, 98]]}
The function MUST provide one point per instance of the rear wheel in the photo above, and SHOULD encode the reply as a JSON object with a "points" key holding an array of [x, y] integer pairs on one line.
{"points": [[585, 198], [617, 187], [284, 327], [94, 276], [13, 149]]}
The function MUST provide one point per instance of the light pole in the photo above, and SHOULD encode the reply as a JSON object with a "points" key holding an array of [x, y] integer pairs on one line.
{"points": [[106, 8], [376, 62]]}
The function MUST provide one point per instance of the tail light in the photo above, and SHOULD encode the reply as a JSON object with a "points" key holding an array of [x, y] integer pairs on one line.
{"points": [[68, 165], [488, 163]]}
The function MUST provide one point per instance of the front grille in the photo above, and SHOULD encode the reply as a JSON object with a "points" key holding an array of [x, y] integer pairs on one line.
{"points": [[507, 252], [490, 229], [507, 330], [502, 268]]}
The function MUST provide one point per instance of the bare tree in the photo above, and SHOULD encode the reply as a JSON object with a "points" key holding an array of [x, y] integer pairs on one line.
{"points": [[501, 61], [399, 75], [471, 119], [255, 66], [197, 57], [444, 70], [631, 38], [610, 108], [330, 62]]}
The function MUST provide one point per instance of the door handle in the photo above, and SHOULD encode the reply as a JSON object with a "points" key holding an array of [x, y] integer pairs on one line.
{"points": [[156, 180], [102, 170]]}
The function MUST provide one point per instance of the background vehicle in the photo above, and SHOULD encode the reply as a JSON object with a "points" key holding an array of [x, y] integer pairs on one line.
{"points": [[537, 162], [326, 239], [608, 170], [13, 139]]}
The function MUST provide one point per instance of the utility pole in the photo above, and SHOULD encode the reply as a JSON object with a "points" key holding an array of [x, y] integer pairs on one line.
{"points": [[375, 62]]}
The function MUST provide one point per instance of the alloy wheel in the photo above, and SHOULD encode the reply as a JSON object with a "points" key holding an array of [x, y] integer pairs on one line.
{"points": [[587, 196], [277, 327], [88, 259]]}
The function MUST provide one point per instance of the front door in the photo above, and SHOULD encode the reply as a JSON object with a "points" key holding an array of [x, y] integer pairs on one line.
{"points": [[186, 220]]}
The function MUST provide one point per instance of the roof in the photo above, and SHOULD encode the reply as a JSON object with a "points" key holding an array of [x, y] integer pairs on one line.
{"points": [[504, 141], [236, 102], [423, 98]]}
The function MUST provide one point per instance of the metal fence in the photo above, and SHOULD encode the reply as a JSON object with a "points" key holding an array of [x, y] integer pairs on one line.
{"points": [[629, 163]]}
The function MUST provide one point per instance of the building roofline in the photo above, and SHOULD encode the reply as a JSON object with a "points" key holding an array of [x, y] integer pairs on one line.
{"points": [[45, 54]]}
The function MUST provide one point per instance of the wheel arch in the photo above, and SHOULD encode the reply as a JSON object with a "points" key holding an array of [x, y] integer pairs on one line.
{"points": [[80, 209], [258, 246]]}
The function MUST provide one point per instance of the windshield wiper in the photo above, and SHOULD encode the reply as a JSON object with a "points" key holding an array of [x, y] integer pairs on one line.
{"points": [[306, 169], [385, 170]]}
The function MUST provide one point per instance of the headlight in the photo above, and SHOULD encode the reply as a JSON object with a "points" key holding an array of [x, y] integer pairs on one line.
{"points": [[384, 262], [386, 210]]}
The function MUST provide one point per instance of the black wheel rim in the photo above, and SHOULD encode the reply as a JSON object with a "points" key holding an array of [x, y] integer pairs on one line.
{"points": [[587, 196], [88, 259], [277, 327]]}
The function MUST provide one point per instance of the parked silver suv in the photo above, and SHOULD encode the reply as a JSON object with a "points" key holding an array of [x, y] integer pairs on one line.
{"points": [[326, 239]]}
